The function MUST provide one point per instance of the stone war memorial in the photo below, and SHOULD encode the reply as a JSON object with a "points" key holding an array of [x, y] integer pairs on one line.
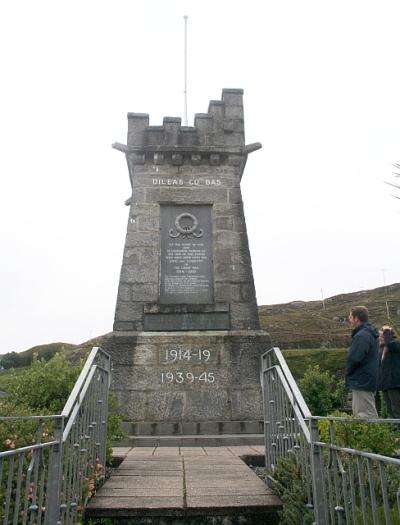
{"points": [[186, 342]]}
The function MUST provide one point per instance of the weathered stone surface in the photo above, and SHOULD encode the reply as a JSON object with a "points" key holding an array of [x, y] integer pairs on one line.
{"points": [[187, 321], [206, 404], [138, 274], [166, 406], [124, 292], [144, 292], [131, 403], [128, 311], [245, 402], [186, 278], [190, 376]]}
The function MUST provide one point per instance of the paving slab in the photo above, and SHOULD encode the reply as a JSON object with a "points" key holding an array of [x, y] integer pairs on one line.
{"points": [[212, 460], [140, 502], [167, 451], [192, 451], [144, 481], [218, 451], [239, 490], [183, 481], [232, 501], [243, 451], [120, 451], [156, 459], [141, 451], [148, 473], [152, 465], [140, 491], [201, 480]]}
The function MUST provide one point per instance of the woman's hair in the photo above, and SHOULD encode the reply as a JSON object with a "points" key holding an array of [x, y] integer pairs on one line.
{"points": [[388, 328]]}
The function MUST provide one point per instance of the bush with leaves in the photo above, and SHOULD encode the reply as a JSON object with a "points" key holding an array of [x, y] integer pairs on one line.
{"points": [[114, 426], [379, 438], [322, 391], [45, 385], [43, 389], [290, 485]]}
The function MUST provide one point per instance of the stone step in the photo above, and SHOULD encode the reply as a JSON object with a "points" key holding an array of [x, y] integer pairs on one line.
{"points": [[184, 428], [205, 440]]}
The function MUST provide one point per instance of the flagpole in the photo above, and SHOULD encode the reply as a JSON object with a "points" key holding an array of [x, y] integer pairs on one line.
{"points": [[185, 118]]}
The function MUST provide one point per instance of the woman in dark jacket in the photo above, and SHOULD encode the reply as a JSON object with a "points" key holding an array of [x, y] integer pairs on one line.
{"points": [[389, 370]]}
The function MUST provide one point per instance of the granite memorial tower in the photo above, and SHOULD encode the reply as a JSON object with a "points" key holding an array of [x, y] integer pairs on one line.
{"points": [[186, 343]]}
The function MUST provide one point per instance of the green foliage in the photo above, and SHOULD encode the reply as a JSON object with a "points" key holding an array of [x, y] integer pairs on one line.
{"points": [[379, 438], [332, 360], [7, 377], [291, 486], [20, 433], [24, 359], [43, 389], [322, 391], [114, 426], [45, 385], [11, 360]]}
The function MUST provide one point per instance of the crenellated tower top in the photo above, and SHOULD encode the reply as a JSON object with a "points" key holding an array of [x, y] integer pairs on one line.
{"points": [[219, 132]]}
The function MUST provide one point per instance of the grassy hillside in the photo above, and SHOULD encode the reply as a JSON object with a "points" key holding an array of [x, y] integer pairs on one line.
{"points": [[292, 326], [312, 324], [332, 360], [73, 352]]}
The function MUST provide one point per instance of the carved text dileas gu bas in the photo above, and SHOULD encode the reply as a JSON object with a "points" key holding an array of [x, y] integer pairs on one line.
{"points": [[190, 182], [184, 376]]}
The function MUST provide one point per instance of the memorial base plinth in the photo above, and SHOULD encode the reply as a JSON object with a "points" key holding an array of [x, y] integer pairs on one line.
{"points": [[188, 383]]}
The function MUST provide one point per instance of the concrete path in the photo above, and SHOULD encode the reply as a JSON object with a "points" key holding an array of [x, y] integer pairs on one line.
{"points": [[183, 481]]}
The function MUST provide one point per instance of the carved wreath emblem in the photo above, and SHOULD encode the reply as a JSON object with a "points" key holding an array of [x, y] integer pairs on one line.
{"points": [[184, 229]]}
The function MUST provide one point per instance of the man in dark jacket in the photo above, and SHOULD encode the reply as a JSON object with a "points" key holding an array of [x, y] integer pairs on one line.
{"points": [[389, 371], [362, 363]]}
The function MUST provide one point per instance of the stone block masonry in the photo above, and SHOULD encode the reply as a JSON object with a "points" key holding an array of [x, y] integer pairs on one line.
{"points": [[173, 168], [187, 343]]}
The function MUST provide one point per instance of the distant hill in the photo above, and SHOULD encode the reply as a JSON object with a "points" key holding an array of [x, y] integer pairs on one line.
{"points": [[73, 352], [314, 324], [299, 324]]}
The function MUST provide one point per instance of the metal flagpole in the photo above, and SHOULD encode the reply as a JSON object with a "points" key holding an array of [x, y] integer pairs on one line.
{"points": [[185, 119]]}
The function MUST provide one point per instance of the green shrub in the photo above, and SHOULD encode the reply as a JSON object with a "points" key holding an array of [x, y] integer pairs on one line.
{"points": [[43, 389], [290, 484], [45, 385], [322, 391], [21, 433], [379, 438], [114, 426], [331, 359]]}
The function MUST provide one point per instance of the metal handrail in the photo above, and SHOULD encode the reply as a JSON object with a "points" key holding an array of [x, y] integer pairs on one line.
{"points": [[341, 485], [50, 482], [275, 356], [94, 354]]}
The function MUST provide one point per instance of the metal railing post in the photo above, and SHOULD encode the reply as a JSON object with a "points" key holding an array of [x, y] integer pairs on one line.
{"points": [[317, 475], [52, 515]]}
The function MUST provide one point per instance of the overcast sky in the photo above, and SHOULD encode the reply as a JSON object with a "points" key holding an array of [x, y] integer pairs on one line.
{"points": [[321, 84]]}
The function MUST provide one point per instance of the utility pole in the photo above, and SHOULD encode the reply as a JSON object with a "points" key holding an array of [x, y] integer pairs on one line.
{"points": [[385, 293], [185, 117]]}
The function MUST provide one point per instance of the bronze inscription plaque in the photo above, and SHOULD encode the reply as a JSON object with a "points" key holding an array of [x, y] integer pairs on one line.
{"points": [[186, 254]]}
